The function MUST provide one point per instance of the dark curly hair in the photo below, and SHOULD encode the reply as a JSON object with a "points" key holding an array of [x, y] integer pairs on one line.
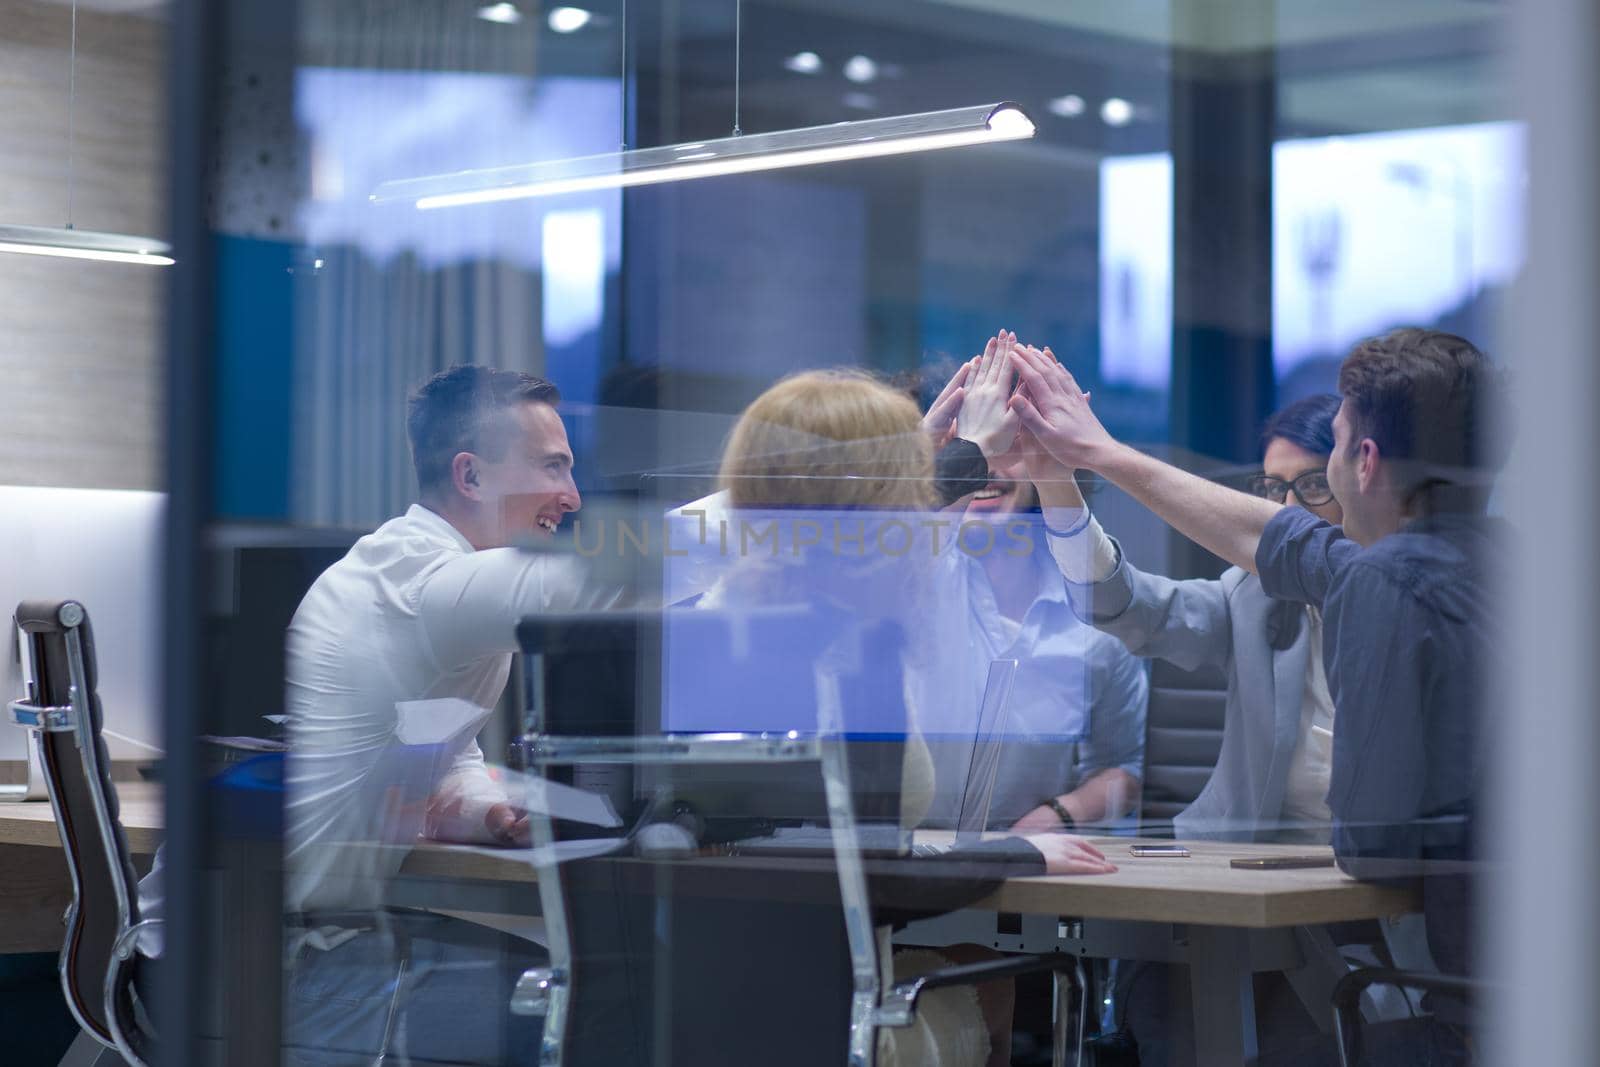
{"points": [[1430, 400]]}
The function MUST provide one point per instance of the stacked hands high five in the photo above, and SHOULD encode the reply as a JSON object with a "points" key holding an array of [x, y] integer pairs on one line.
{"points": [[973, 403], [1055, 413], [985, 417], [1023, 409]]}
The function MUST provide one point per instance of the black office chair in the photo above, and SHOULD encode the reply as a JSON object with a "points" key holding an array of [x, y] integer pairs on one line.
{"points": [[1347, 1000], [106, 940], [1183, 738]]}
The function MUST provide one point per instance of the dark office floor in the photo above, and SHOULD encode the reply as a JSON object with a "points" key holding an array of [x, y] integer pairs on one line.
{"points": [[33, 1016]]}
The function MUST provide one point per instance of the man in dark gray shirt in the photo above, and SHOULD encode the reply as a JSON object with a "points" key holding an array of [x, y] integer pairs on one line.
{"points": [[1409, 632], [1406, 587]]}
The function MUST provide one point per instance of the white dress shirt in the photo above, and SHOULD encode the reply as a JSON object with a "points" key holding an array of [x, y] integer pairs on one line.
{"points": [[1305, 796], [412, 613]]}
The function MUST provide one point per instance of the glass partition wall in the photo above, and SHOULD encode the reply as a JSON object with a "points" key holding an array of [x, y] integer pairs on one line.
{"points": [[1199, 209]]}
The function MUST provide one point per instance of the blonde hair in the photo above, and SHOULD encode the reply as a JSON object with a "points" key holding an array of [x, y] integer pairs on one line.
{"points": [[829, 439]]}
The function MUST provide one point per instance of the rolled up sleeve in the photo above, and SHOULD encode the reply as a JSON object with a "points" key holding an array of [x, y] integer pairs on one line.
{"points": [[1299, 555], [959, 468]]}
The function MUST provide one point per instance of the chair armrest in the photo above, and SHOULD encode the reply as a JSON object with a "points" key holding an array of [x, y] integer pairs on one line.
{"points": [[128, 1028], [1347, 999], [146, 938], [899, 1006]]}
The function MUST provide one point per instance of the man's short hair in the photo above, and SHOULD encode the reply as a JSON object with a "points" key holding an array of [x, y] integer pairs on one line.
{"points": [[467, 408], [1431, 400]]}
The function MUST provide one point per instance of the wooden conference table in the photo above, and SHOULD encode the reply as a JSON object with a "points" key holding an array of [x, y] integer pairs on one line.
{"points": [[1226, 924]]}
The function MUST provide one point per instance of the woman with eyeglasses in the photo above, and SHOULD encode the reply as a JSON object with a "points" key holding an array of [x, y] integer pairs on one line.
{"points": [[1271, 778]]}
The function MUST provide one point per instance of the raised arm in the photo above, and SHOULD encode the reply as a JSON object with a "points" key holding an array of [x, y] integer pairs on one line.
{"points": [[1185, 622], [1057, 413]]}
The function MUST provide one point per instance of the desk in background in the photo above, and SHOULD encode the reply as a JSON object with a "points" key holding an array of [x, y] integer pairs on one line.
{"points": [[35, 887]]}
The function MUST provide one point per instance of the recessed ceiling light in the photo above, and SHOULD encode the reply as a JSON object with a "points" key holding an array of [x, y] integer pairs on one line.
{"points": [[504, 14], [803, 63], [860, 69], [569, 19], [1068, 107], [1116, 112]]}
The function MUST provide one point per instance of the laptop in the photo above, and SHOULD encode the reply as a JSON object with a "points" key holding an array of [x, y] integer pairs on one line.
{"points": [[877, 841]]}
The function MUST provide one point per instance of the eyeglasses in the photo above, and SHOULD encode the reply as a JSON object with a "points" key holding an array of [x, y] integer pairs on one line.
{"points": [[1309, 488]]}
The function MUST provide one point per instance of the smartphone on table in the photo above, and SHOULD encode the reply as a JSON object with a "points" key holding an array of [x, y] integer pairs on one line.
{"points": [[1281, 863], [1158, 850]]}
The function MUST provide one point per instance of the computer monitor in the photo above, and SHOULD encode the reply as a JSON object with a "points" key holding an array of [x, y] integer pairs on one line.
{"points": [[103, 548], [702, 671], [593, 674], [259, 576]]}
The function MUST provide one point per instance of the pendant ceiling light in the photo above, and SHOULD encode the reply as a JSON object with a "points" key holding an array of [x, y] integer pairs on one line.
{"points": [[66, 241], [738, 154], [729, 155]]}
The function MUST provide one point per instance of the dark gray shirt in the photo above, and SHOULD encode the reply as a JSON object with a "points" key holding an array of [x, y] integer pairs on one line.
{"points": [[1410, 626]]}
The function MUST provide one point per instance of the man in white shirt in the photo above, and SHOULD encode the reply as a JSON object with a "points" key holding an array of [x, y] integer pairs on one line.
{"points": [[415, 627]]}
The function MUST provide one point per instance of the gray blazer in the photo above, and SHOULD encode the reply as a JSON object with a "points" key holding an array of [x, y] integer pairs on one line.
{"points": [[1221, 622]]}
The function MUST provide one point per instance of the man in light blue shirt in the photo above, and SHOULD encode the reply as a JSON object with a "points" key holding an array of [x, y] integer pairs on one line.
{"points": [[1073, 732]]}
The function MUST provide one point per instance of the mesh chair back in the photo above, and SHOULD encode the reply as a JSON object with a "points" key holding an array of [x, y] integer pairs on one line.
{"points": [[77, 768], [1183, 738]]}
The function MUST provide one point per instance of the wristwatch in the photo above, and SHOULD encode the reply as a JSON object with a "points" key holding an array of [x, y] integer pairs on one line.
{"points": [[1067, 821]]}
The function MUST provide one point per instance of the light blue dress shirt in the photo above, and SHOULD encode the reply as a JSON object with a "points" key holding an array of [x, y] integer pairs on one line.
{"points": [[1077, 706]]}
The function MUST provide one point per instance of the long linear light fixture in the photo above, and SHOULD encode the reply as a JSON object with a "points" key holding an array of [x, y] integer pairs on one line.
{"points": [[64, 241], [730, 155]]}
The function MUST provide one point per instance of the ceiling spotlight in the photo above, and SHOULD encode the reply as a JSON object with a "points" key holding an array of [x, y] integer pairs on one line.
{"points": [[803, 63], [860, 69], [1068, 107], [504, 14], [1116, 112], [567, 19]]}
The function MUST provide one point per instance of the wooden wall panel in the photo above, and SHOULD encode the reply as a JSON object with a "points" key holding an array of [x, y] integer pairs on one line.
{"points": [[80, 367]]}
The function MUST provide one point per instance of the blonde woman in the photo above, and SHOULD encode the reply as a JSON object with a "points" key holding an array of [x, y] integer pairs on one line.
{"points": [[839, 447]]}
